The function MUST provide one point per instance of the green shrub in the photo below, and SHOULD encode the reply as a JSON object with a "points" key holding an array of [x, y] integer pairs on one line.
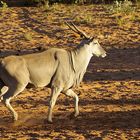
{"points": [[69, 1], [124, 7], [80, 1], [4, 5]]}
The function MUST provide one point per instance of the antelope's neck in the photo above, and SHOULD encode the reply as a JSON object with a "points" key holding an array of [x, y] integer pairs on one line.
{"points": [[81, 58]]}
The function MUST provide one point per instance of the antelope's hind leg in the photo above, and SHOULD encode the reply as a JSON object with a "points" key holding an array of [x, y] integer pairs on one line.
{"points": [[10, 94], [3, 90], [72, 94]]}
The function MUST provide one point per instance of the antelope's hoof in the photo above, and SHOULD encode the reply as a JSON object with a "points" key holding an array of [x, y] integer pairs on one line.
{"points": [[50, 121], [76, 114], [15, 117], [1, 98]]}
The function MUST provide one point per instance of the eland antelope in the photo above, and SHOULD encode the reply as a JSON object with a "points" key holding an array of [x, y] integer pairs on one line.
{"points": [[56, 68]]}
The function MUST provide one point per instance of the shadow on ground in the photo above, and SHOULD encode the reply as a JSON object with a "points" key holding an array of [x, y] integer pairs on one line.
{"points": [[120, 64], [86, 122]]}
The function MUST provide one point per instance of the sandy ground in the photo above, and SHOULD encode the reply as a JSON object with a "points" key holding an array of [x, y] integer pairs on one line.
{"points": [[110, 94]]}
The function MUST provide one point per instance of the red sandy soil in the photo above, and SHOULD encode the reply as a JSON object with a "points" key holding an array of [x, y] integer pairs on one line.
{"points": [[110, 94]]}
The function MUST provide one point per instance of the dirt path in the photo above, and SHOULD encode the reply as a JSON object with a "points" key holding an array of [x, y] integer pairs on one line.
{"points": [[110, 94]]}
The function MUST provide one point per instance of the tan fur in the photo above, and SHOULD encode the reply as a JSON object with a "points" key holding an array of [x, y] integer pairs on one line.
{"points": [[57, 68]]}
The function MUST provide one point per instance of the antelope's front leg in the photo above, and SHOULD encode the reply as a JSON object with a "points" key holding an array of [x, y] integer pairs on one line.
{"points": [[55, 93]]}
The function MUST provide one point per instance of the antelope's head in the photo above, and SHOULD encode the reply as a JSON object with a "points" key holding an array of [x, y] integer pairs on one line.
{"points": [[92, 43]]}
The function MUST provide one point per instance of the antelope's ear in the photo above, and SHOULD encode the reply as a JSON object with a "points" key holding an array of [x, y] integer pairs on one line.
{"points": [[82, 36], [91, 39]]}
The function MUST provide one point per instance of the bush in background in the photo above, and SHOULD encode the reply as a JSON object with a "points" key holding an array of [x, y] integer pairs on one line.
{"points": [[79, 1]]}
